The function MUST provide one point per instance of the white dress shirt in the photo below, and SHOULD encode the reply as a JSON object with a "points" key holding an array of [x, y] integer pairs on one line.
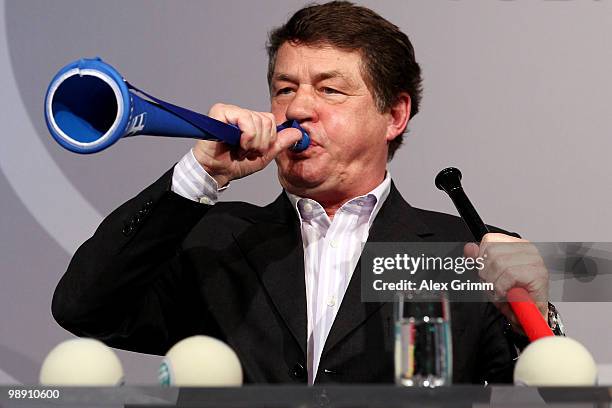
{"points": [[331, 247]]}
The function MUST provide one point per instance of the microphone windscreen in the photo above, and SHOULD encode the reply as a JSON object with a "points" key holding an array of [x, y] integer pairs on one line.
{"points": [[555, 361], [81, 362], [201, 361]]}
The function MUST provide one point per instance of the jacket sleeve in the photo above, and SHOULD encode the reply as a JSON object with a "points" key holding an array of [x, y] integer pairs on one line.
{"points": [[126, 285]]}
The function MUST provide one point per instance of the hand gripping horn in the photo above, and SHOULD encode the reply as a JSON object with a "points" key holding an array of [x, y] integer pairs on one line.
{"points": [[89, 106], [527, 313]]}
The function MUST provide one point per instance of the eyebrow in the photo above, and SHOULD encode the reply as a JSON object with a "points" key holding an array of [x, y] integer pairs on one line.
{"points": [[319, 77]]}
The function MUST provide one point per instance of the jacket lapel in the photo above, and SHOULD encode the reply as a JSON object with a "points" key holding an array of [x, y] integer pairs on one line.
{"points": [[274, 249], [396, 221]]}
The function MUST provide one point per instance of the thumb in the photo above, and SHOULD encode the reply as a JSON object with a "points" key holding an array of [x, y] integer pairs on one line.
{"points": [[287, 138], [470, 250]]}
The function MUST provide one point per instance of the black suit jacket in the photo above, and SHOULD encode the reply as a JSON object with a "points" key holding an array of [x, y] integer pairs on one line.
{"points": [[161, 268]]}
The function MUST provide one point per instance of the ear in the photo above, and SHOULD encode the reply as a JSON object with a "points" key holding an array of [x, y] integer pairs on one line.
{"points": [[399, 114]]}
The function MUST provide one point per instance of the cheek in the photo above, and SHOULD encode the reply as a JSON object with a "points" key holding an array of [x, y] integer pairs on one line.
{"points": [[282, 160], [338, 129], [278, 111], [350, 136]]}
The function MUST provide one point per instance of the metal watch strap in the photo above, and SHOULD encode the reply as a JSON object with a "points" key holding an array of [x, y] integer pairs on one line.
{"points": [[554, 321]]}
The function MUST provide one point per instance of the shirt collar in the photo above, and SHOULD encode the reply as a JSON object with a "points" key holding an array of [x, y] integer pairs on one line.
{"points": [[307, 208]]}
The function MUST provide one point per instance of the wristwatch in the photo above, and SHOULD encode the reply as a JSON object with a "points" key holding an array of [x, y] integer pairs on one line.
{"points": [[521, 341], [554, 321]]}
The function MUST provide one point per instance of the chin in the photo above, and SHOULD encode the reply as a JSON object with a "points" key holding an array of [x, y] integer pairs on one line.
{"points": [[303, 173], [300, 180]]}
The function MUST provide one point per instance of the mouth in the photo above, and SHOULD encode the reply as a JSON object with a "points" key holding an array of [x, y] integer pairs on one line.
{"points": [[310, 151], [313, 137], [311, 147]]}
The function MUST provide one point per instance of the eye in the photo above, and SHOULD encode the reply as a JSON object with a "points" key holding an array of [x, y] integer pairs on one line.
{"points": [[284, 91], [329, 91]]}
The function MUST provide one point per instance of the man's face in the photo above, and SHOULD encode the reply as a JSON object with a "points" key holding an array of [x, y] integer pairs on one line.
{"points": [[322, 88]]}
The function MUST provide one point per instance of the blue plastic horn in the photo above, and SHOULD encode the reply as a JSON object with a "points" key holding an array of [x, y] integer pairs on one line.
{"points": [[89, 106]]}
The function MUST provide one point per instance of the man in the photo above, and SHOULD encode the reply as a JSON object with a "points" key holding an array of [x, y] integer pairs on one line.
{"points": [[277, 283]]}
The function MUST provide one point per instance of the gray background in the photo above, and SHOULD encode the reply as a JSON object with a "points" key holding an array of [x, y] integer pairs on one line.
{"points": [[517, 95]]}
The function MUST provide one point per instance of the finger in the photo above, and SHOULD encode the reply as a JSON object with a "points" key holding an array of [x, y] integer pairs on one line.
{"points": [[499, 249], [470, 250], [259, 143], [218, 110], [241, 118], [270, 124], [497, 239], [496, 265], [231, 114], [526, 276], [504, 282], [268, 131], [244, 120], [285, 139]]}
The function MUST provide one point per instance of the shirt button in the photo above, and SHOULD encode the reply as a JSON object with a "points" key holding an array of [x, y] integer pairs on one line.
{"points": [[308, 207], [205, 200], [331, 302], [360, 203], [333, 244]]}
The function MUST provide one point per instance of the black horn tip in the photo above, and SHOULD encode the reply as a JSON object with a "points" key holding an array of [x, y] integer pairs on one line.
{"points": [[448, 179]]}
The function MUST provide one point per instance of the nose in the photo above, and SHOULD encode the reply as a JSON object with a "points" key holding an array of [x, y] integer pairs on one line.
{"points": [[303, 106]]}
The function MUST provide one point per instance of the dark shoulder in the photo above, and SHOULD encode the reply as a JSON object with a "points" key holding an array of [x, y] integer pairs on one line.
{"points": [[452, 226]]}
